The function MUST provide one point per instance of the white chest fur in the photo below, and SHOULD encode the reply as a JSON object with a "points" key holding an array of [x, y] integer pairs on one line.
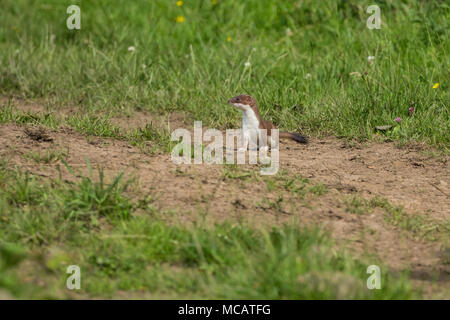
{"points": [[249, 120], [250, 124]]}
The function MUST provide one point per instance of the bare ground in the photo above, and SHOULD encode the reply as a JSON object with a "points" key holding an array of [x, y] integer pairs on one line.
{"points": [[405, 176]]}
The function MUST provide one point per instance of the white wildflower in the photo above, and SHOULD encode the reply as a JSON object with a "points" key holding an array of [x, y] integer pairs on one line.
{"points": [[308, 76], [370, 58], [131, 49], [247, 64]]}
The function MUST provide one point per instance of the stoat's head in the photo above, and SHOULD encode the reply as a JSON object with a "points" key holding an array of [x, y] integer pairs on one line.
{"points": [[244, 102]]}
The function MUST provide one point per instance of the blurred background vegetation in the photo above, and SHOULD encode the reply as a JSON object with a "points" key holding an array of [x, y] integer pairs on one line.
{"points": [[307, 61]]}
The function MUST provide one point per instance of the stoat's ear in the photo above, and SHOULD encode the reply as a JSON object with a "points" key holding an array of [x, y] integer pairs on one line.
{"points": [[246, 99]]}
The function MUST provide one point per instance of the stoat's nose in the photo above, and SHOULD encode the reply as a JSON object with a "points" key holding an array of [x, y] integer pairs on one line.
{"points": [[229, 101]]}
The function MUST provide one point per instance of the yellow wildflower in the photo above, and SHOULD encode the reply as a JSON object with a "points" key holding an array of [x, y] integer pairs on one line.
{"points": [[179, 19], [214, 1], [228, 39], [436, 85], [179, 3]]}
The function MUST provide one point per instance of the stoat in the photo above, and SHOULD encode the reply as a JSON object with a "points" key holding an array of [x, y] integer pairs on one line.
{"points": [[252, 122]]}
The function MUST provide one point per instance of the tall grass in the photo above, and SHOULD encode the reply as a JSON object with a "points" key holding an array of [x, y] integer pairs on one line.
{"points": [[301, 55], [90, 223]]}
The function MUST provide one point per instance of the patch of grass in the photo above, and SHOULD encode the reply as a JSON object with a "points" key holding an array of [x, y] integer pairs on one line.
{"points": [[227, 261], [295, 184], [150, 133], [94, 125], [420, 226], [233, 172], [144, 255], [302, 61], [356, 204], [21, 188], [40, 212], [91, 125], [48, 156], [277, 204], [9, 114], [93, 199], [318, 189], [10, 256]]}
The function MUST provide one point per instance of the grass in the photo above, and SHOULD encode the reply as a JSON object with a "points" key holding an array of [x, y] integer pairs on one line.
{"points": [[10, 256], [192, 67], [100, 198], [49, 156], [8, 114], [284, 188], [90, 223], [356, 204], [418, 225], [89, 125], [160, 137], [232, 172], [294, 184], [93, 125], [306, 62]]}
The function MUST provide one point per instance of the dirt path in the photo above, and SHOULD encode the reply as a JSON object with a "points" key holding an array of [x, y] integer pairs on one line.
{"points": [[404, 176]]}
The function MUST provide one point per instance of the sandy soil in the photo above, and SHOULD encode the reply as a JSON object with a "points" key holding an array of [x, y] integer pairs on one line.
{"points": [[405, 176]]}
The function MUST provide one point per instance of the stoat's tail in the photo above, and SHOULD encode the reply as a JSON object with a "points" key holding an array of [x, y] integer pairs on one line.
{"points": [[294, 136]]}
